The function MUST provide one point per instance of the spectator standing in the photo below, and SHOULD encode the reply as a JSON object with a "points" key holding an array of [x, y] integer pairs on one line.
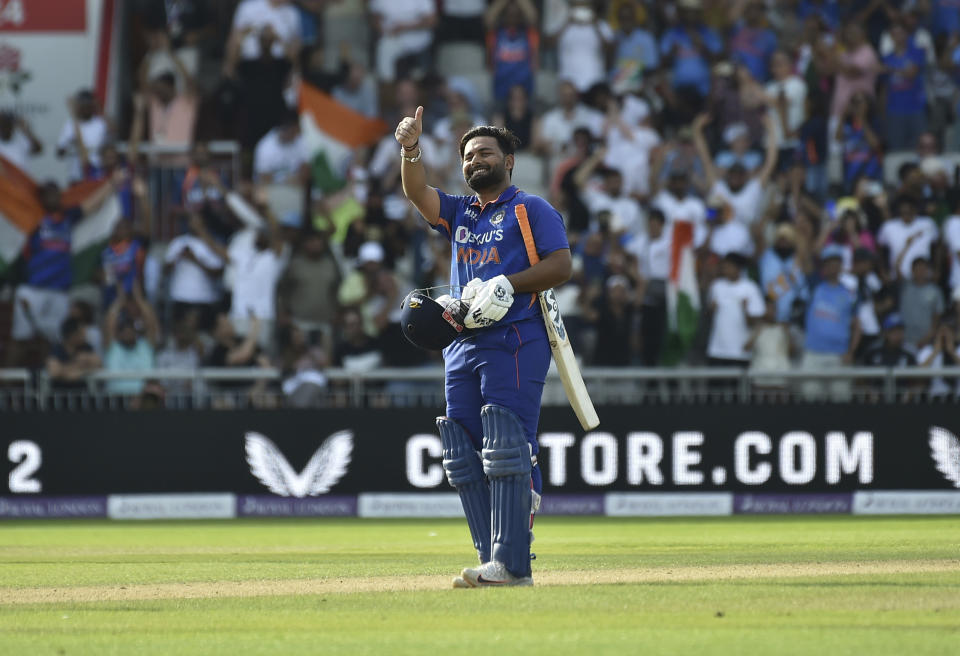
{"points": [[183, 351], [677, 202], [281, 155], [616, 324], [371, 289], [906, 100], [257, 273], [193, 264], [230, 350], [832, 330], [892, 352], [951, 240], [128, 347], [518, 117], [123, 260], [782, 276], [636, 56], [752, 43], [582, 45], [629, 142], [770, 345], [513, 45], [308, 290], [405, 29], [356, 350], [857, 133], [906, 238], [18, 143], [688, 49], [739, 188], [72, 359], [462, 20], [856, 66], [172, 110], [262, 52], [786, 97], [921, 304], [734, 302], [558, 124], [607, 194], [943, 351], [813, 146], [83, 135], [652, 251], [358, 91], [41, 303]]}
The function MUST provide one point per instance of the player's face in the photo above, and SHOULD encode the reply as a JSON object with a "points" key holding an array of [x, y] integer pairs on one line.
{"points": [[484, 165]]}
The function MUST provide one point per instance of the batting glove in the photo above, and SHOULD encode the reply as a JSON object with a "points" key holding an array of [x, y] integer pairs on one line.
{"points": [[490, 303], [470, 291]]}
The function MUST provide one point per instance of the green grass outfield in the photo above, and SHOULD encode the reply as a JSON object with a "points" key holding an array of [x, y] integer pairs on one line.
{"points": [[764, 585]]}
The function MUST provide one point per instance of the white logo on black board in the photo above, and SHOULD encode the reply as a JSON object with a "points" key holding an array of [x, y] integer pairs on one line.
{"points": [[945, 450], [325, 469]]}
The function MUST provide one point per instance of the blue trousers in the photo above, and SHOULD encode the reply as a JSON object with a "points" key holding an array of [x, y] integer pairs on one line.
{"points": [[506, 365]]}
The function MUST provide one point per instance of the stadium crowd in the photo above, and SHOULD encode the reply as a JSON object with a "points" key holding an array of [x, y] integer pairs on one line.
{"points": [[754, 183]]}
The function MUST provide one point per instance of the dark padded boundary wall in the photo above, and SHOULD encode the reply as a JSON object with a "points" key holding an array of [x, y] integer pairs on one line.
{"points": [[741, 449]]}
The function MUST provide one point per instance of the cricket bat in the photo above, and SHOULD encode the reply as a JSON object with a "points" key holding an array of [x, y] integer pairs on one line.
{"points": [[566, 362]]}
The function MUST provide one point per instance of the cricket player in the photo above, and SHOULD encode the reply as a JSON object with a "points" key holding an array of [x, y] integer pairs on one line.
{"points": [[495, 370]]}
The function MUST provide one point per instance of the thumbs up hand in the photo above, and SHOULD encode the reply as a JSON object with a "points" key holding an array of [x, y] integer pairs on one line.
{"points": [[409, 129]]}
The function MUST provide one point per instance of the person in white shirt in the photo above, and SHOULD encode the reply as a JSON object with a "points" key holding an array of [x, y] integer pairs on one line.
{"points": [[281, 155], [278, 17], [678, 204], [582, 44], [17, 141], [724, 234], [735, 302], [652, 251], [943, 351], [741, 189], [951, 239], [555, 136], [906, 238], [629, 143], [405, 27], [193, 267], [83, 135], [786, 97], [256, 274], [602, 190]]}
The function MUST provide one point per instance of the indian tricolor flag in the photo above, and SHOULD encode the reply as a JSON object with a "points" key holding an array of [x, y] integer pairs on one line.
{"points": [[332, 131], [20, 214], [683, 294]]}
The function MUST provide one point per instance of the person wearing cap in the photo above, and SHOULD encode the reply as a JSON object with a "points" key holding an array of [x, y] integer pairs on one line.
{"points": [[782, 276], [832, 330], [921, 303], [892, 352], [371, 288]]}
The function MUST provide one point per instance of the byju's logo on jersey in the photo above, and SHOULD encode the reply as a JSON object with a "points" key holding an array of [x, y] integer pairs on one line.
{"points": [[497, 218], [325, 469]]}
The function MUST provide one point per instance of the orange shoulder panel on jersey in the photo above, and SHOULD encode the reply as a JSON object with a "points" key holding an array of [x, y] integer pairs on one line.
{"points": [[443, 222], [521, 211]]}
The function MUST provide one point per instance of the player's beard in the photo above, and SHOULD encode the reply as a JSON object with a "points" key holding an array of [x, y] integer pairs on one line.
{"points": [[492, 177]]}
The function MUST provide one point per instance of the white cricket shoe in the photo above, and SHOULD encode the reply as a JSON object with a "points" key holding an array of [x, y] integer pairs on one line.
{"points": [[493, 573], [459, 582]]}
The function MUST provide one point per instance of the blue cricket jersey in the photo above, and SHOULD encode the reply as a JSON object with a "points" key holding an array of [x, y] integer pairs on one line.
{"points": [[487, 242], [48, 253]]}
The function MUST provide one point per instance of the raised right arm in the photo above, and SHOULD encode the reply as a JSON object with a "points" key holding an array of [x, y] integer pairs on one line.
{"points": [[412, 174]]}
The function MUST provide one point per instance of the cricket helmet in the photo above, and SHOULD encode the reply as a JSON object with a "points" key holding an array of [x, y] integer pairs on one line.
{"points": [[428, 324]]}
